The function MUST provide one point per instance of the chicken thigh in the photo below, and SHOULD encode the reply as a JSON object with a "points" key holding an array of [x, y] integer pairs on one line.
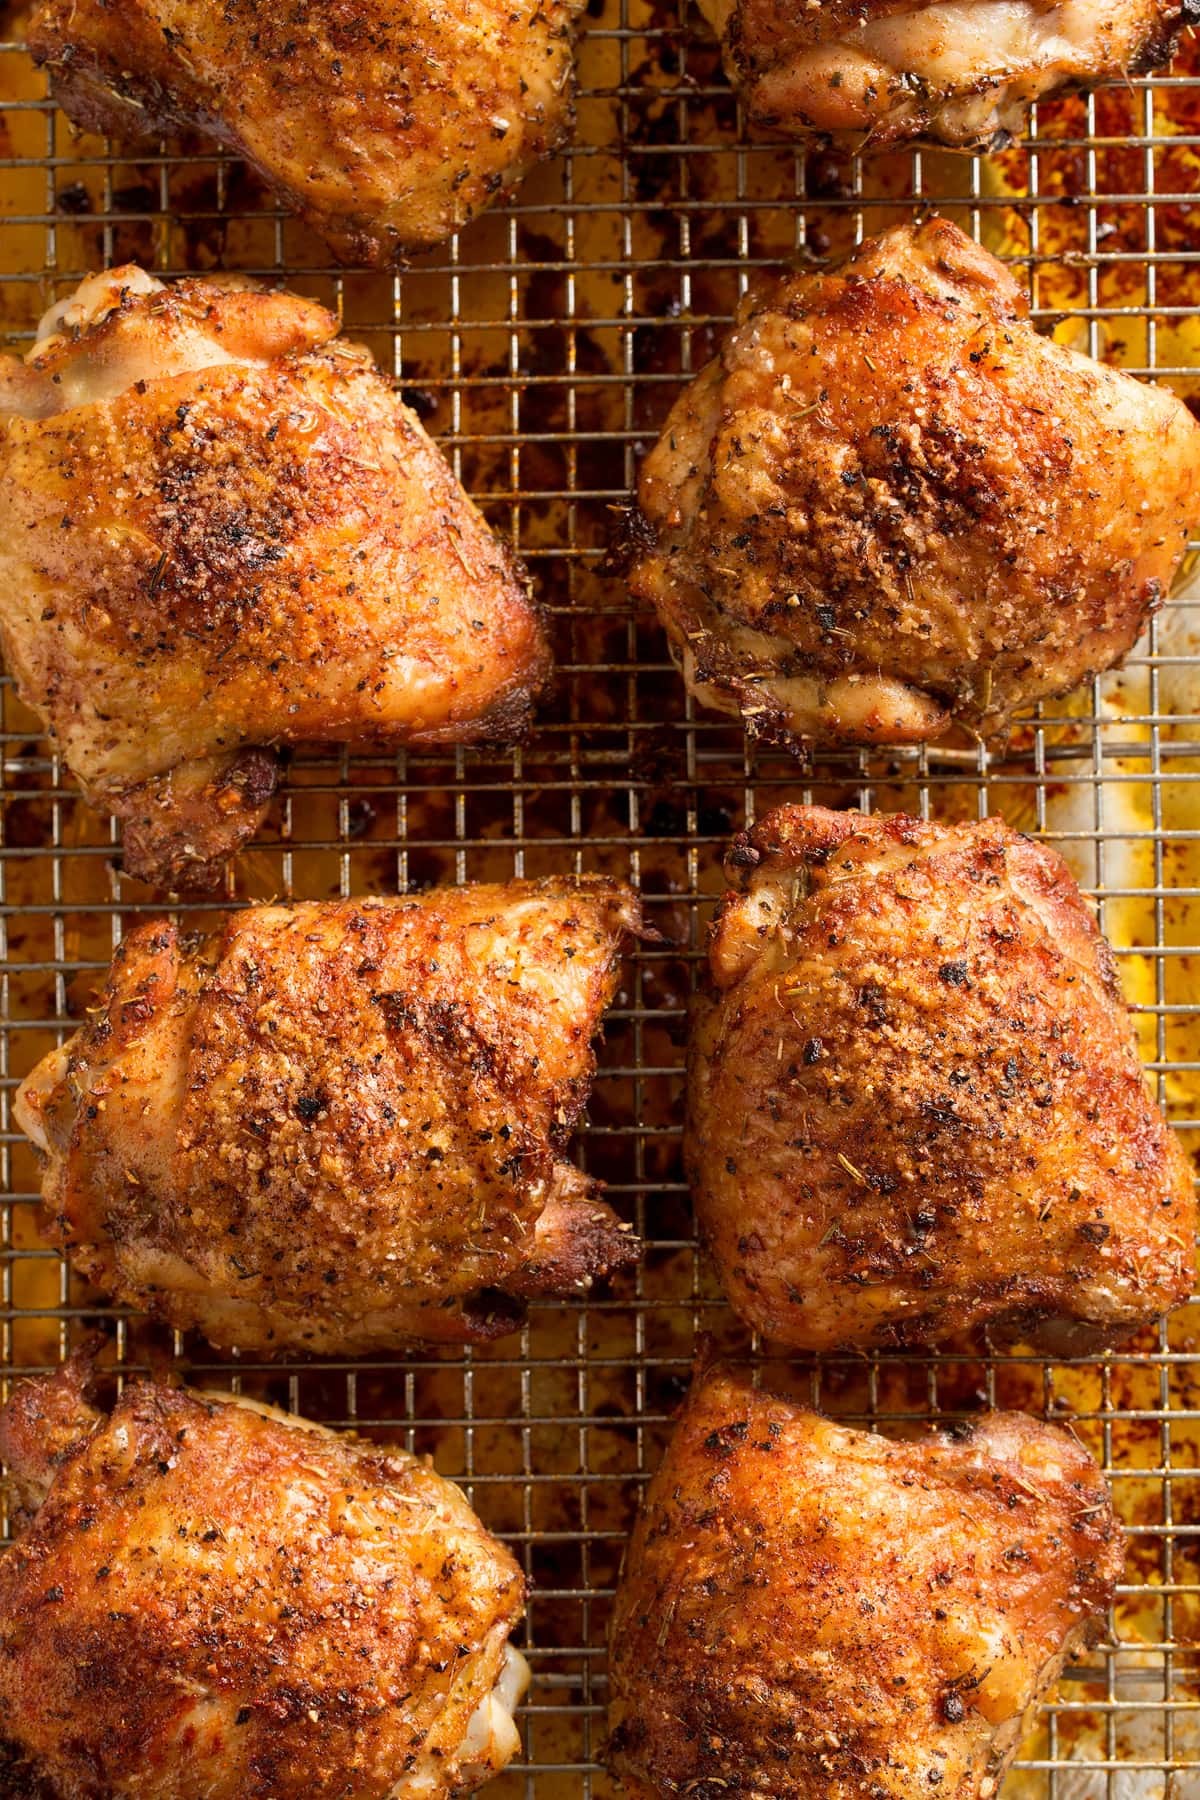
{"points": [[213, 1601], [226, 532], [386, 124], [811, 1613], [915, 1102], [959, 72], [889, 505], [337, 1126]]}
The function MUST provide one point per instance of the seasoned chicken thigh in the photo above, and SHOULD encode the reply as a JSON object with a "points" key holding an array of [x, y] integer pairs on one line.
{"points": [[225, 532], [915, 1102], [890, 505], [811, 1613], [386, 124], [213, 1601], [337, 1126], [959, 72]]}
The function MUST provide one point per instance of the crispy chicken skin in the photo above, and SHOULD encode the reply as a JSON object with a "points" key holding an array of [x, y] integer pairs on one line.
{"points": [[889, 504], [337, 1126], [213, 1601], [915, 1102], [811, 1613], [226, 532], [386, 124], [958, 72]]}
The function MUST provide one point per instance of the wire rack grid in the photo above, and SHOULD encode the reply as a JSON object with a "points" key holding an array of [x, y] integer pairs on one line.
{"points": [[543, 347]]}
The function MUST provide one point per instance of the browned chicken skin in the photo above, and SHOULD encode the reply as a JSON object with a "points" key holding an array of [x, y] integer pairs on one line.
{"points": [[386, 124], [811, 1613], [226, 532], [959, 72], [337, 1126], [212, 1601], [890, 505], [915, 1102]]}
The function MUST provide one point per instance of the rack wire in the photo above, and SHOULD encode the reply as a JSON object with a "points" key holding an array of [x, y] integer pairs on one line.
{"points": [[543, 347]]}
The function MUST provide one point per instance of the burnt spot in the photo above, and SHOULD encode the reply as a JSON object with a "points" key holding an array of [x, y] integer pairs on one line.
{"points": [[952, 1707], [725, 1439]]}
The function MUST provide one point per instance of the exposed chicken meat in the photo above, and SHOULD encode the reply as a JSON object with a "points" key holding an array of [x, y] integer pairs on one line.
{"points": [[811, 1613], [226, 532], [960, 72], [338, 1126], [386, 124], [213, 1601], [915, 1102], [890, 505]]}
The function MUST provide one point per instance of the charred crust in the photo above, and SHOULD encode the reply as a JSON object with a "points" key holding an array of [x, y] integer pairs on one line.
{"points": [[744, 853], [134, 86], [376, 1074], [507, 720], [19, 1779], [916, 1029], [491, 1314], [179, 835], [579, 1240], [327, 1658], [237, 573], [632, 537], [838, 633], [1162, 43], [751, 1542]]}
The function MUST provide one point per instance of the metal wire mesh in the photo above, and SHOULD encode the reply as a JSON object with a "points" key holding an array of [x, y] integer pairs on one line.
{"points": [[543, 347]]}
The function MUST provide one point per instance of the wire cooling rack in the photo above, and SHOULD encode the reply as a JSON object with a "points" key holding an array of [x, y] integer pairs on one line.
{"points": [[543, 347]]}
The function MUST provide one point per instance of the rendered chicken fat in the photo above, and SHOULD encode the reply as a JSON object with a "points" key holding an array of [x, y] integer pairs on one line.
{"points": [[889, 506], [209, 1600], [814, 1613], [227, 534], [915, 1104], [389, 1083]]}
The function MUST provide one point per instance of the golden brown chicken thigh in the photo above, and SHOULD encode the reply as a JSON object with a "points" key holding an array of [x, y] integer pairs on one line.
{"points": [[811, 1613], [890, 505], [915, 1102], [213, 1601], [224, 532], [386, 124], [959, 72], [337, 1126]]}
